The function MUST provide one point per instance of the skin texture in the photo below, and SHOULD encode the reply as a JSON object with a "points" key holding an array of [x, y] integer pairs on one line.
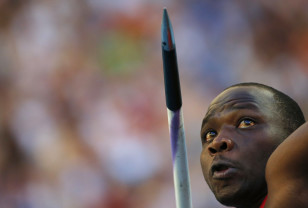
{"points": [[287, 172], [239, 133]]}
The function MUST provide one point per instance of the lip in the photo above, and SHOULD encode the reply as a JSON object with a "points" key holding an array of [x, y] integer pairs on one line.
{"points": [[221, 170]]}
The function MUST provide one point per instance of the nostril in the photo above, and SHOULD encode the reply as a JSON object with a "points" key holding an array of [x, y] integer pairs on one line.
{"points": [[224, 146], [221, 145], [212, 150]]}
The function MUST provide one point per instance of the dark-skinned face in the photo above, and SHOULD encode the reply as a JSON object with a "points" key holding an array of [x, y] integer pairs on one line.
{"points": [[239, 133]]}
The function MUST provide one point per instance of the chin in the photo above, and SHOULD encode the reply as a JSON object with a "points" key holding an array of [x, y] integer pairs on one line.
{"points": [[237, 198], [230, 197], [227, 200]]}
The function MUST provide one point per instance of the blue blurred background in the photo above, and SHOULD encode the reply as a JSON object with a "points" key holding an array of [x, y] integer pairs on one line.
{"points": [[83, 122]]}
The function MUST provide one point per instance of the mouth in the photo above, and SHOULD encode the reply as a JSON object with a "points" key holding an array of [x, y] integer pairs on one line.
{"points": [[223, 170]]}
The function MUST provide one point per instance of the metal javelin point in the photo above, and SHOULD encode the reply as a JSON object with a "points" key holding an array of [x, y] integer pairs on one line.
{"points": [[168, 41]]}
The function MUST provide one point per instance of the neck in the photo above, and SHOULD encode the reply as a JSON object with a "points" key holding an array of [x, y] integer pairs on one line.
{"points": [[257, 204]]}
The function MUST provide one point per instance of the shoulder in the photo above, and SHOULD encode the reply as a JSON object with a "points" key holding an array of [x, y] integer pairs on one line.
{"points": [[287, 172]]}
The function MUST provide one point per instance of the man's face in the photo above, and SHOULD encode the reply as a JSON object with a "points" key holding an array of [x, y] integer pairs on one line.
{"points": [[239, 133]]}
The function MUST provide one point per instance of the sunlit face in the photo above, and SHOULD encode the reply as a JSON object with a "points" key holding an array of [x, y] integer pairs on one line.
{"points": [[239, 132]]}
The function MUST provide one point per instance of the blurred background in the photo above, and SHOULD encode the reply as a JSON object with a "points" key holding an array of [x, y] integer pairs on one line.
{"points": [[83, 122]]}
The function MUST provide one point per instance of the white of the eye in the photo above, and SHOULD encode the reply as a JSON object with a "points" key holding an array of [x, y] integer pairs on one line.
{"points": [[246, 123], [210, 134]]}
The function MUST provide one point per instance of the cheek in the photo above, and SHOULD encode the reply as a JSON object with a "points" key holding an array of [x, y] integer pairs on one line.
{"points": [[268, 142], [258, 154], [204, 160]]}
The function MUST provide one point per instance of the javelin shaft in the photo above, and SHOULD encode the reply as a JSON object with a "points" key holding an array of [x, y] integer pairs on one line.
{"points": [[179, 156], [175, 116]]}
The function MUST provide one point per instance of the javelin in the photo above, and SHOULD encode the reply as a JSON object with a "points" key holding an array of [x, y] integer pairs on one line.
{"points": [[175, 116]]}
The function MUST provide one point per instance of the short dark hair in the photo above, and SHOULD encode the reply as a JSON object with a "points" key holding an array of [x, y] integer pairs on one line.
{"points": [[291, 114]]}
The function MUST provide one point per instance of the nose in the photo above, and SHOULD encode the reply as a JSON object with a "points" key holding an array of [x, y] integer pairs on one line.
{"points": [[219, 145]]}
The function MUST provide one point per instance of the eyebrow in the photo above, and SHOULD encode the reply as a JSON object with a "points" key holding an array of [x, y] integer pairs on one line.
{"points": [[234, 107]]}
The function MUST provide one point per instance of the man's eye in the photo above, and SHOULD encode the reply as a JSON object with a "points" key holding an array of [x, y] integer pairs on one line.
{"points": [[210, 135], [245, 123]]}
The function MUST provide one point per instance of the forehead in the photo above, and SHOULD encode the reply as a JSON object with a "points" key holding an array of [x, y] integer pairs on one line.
{"points": [[248, 97]]}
